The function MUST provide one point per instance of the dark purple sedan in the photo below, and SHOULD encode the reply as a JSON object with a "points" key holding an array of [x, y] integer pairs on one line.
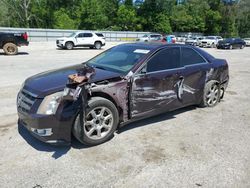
{"points": [[123, 84]]}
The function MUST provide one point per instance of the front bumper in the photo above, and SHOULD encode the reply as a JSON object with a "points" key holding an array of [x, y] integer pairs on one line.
{"points": [[59, 44], [205, 45], [223, 46], [53, 129], [47, 128]]}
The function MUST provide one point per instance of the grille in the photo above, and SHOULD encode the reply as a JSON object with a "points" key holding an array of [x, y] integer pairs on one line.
{"points": [[204, 42], [25, 100]]}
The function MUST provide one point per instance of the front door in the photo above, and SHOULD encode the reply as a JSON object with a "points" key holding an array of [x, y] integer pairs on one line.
{"points": [[154, 87]]}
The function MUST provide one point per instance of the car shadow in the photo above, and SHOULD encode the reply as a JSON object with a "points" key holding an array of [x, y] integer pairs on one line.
{"points": [[154, 119], [59, 151], [19, 53]]}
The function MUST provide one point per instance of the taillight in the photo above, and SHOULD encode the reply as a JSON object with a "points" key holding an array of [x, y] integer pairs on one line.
{"points": [[25, 36]]}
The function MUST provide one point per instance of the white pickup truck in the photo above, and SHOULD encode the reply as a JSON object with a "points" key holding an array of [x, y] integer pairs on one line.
{"points": [[81, 39], [210, 41]]}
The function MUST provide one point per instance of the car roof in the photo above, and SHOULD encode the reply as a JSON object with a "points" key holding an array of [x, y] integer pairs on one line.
{"points": [[155, 45]]}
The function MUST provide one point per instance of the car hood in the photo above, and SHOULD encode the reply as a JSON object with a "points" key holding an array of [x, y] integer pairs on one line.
{"points": [[224, 42], [53, 81], [208, 40], [190, 40]]}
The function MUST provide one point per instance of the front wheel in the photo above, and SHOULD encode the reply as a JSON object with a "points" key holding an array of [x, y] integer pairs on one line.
{"points": [[99, 124], [69, 45], [10, 49], [211, 94], [242, 46]]}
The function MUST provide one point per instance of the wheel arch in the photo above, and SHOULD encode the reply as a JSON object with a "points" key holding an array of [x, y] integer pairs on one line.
{"points": [[70, 41], [108, 97], [98, 41]]}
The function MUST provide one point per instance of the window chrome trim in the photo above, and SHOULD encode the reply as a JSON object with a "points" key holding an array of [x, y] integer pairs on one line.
{"points": [[152, 55]]}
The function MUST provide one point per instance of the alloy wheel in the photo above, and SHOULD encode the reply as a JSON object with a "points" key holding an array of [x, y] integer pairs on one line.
{"points": [[99, 122], [212, 95]]}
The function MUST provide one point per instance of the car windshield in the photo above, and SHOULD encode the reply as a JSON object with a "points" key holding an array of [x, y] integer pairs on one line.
{"points": [[144, 36], [120, 58], [72, 34]]}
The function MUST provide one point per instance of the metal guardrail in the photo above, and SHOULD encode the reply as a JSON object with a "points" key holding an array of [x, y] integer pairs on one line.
{"points": [[52, 34]]}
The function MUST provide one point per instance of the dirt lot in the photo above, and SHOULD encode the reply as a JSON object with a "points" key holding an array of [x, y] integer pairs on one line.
{"points": [[192, 147]]}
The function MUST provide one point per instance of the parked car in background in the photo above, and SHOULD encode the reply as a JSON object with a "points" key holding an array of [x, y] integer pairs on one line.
{"points": [[150, 37], [123, 84], [231, 43], [210, 41], [195, 41], [247, 41], [82, 39], [181, 38], [10, 42], [170, 39]]}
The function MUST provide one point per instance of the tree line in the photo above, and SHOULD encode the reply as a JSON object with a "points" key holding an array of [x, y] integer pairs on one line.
{"points": [[165, 16]]}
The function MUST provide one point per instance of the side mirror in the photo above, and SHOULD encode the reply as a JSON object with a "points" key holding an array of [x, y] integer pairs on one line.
{"points": [[144, 70]]}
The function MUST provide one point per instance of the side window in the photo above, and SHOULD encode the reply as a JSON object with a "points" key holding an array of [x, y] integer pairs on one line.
{"points": [[165, 59], [88, 35], [80, 35], [190, 57]]}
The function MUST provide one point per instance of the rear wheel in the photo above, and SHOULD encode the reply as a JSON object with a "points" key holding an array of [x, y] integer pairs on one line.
{"points": [[69, 45], [99, 124], [98, 45], [211, 95], [231, 47], [10, 49], [242, 46]]}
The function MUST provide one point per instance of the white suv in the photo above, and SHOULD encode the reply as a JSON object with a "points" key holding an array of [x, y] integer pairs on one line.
{"points": [[150, 37], [210, 41], [81, 39]]}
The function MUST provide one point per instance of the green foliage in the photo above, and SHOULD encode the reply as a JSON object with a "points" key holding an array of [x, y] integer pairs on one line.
{"points": [[213, 22], [208, 16], [62, 20], [163, 24], [126, 18], [92, 15]]}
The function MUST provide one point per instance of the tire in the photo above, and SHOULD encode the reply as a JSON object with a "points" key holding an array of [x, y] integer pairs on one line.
{"points": [[242, 46], [10, 49], [231, 47], [69, 45], [211, 94], [213, 45], [98, 45], [96, 130]]}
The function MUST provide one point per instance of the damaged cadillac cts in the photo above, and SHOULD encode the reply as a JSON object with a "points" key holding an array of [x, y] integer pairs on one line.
{"points": [[123, 84]]}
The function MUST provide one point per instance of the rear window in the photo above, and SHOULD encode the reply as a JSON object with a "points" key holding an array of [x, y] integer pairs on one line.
{"points": [[99, 34]]}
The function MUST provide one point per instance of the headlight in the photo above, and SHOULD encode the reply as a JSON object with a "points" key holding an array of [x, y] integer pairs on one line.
{"points": [[50, 104]]}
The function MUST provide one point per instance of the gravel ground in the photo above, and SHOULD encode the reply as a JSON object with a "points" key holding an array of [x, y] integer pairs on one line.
{"points": [[191, 147]]}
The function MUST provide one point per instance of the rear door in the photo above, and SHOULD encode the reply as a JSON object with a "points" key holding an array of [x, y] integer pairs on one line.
{"points": [[83, 39], [190, 89], [154, 86]]}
